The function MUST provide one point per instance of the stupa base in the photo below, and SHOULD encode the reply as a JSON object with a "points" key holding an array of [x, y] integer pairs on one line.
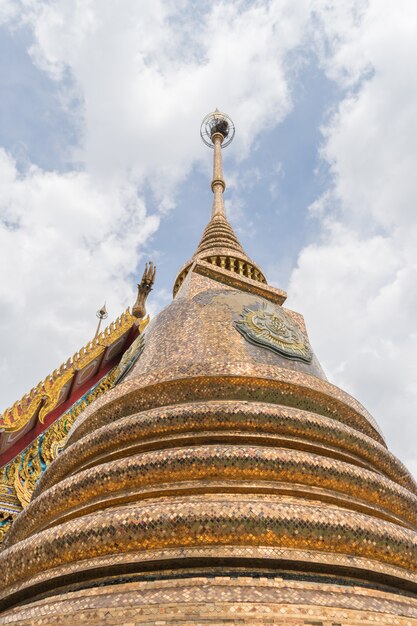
{"points": [[219, 600]]}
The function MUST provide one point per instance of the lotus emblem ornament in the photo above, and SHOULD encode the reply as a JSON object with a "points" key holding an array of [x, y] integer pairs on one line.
{"points": [[271, 327]]}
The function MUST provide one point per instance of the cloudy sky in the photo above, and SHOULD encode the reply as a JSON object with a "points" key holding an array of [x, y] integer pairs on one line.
{"points": [[102, 168]]}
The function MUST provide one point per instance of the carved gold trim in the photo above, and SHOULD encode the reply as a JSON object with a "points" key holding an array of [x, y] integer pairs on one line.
{"points": [[45, 395], [19, 477], [237, 281]]}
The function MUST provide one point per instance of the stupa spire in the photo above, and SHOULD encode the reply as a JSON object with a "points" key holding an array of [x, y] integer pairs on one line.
{"points": [[217, 131], [219, 244]]}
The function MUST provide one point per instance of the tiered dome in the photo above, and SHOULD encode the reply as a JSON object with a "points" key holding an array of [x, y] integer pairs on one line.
{"points": [[219, 245], [223, 480]]}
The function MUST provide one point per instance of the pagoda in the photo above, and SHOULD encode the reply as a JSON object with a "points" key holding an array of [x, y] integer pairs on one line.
{"points": [[218, 477]]}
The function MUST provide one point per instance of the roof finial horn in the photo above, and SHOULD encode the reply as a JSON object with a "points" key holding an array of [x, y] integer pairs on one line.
{"points": [[144, 289]]}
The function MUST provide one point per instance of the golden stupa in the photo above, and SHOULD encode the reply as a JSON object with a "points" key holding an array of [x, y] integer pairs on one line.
{"points": [[222, 479]]}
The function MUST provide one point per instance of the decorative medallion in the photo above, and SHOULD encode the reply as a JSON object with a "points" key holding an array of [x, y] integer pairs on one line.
{"points": [[129, 358], [271, 327]]}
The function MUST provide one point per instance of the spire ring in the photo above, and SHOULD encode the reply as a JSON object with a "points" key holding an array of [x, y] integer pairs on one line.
{"points": [[217, 122]]}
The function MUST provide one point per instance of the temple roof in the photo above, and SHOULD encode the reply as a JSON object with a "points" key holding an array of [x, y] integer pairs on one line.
{"points": [[22, 422]]}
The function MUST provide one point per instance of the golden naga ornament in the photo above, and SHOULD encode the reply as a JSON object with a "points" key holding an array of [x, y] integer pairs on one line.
{"points": [[144, 289], [271, 327]]}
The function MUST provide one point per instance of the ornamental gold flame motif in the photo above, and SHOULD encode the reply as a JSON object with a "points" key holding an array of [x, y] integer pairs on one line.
{"points": [[270, 327]]}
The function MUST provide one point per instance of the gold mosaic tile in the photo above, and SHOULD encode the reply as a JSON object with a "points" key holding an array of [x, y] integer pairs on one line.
{"points": [[208, 349], [215, 462], [242, 420], [132, 399], [212, 521], [203, 600], [216, 453]]}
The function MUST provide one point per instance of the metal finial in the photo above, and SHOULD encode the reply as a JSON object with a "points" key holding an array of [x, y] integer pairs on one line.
{"points": [[217, 123], [217, 131], [102, 315]]}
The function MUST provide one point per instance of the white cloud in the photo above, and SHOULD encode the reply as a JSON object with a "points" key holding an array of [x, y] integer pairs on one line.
{"points": [[8, 11], [66, 244], [357, 287], [149, 73], [136, 80]]}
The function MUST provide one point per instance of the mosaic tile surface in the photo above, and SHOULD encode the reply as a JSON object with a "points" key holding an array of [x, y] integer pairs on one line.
{"points": [[216, 453]]}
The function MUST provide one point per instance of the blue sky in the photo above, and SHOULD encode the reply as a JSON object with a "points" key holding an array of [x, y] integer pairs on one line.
{"points": [[102, 168], [33, 127], [275, 186]]}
